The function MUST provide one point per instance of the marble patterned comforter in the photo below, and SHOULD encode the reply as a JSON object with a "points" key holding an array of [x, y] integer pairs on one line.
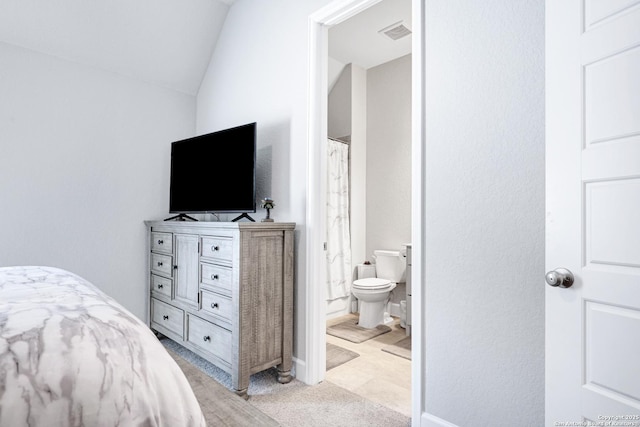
{"points": [[72, 356]]}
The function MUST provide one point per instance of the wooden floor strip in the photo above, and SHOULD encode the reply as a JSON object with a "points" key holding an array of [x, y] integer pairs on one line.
{"points": [[221, 407]]}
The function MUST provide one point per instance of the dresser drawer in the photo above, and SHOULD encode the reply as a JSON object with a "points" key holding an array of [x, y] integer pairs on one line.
{"points": [[217, 248], [209, 337], [218, 276], [168, 316], [162, 264], [161, 285], [162, 242], [217, 305]]}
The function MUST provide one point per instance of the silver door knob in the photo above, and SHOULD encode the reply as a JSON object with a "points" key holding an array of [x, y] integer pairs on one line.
{"points": [[560, 277]]}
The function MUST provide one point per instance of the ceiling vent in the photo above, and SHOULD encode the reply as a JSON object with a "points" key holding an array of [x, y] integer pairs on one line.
{"points": [[395, 31]]}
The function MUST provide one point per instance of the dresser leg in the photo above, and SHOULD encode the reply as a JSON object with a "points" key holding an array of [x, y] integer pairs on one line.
{"points": [[284, 377], [243, 393]]}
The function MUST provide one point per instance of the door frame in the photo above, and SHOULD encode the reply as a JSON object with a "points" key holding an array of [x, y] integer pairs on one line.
{"points": [[313, 371]]}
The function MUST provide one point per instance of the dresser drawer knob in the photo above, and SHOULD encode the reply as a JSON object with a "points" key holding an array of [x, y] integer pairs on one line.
{"points": [[161, 242], [165, 317], [214, 305], [215, 248], [160, 286], [175, 267], [214, 277], [207, 338], [159, 263]]}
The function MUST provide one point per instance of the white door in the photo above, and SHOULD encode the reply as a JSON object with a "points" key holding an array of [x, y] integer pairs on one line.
{"points": [[593, 211]]}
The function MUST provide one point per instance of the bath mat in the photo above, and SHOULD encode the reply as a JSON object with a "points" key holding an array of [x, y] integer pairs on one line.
{"points": [[402, 348], [336, 356], [350, 331]]}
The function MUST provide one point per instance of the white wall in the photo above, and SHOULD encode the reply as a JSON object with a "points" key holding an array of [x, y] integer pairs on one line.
{"points": [[380, 152], [389, 155], [339, 106], [381, 156], [84, 160], [359, 143], [258, 72], [484, 295], [485, 119]]}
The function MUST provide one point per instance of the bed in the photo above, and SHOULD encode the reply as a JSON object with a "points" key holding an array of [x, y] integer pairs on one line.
{"points": [[72, 356]]}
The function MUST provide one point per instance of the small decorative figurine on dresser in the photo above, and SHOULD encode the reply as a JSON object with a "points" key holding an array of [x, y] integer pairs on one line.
{"points": [[267, 204]]}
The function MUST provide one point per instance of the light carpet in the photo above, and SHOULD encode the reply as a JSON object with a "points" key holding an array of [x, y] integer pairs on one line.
{"points": [[262, 382], [297, 404], [325, 404], [221, 407]]}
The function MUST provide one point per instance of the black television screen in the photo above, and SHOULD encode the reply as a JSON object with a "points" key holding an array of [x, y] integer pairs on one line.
{"points": [[214, 172]]}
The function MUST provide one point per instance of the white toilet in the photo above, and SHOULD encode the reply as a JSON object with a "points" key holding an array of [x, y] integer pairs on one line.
{"points": [[373, 292]]}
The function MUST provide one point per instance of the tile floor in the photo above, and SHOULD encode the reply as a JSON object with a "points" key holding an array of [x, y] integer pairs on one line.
{"points": [[375, 375]]}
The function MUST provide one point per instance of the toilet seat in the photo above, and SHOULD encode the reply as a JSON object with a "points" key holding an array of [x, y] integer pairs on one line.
{"points": [[371, 283]]}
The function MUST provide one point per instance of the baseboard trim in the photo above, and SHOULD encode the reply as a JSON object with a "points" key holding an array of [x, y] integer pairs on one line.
{"points": [[394, 309], [299, 370], [428, 420]]}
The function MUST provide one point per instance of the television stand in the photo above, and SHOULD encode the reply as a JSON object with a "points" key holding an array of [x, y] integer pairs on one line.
{"points": [[244, 215], [181, 217]]}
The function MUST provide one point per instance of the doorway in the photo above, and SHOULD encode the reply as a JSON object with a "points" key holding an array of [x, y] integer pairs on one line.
{"points": [[320, 22], [369, 198]]}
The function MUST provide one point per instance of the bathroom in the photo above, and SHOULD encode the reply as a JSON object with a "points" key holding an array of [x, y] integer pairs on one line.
{"points": [[369, 113], [369, 109]]}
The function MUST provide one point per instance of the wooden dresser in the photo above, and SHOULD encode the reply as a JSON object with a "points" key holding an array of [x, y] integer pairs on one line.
{"points": [[225, 291]]}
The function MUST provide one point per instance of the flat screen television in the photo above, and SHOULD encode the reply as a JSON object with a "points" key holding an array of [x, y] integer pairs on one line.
{"points": [[214, 173]]}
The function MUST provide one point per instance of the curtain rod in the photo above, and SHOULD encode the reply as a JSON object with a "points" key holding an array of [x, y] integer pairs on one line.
{"points": [[338, 140]]}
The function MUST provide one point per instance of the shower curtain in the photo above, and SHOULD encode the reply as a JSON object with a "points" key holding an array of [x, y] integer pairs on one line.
{"points": [[339, 269]]}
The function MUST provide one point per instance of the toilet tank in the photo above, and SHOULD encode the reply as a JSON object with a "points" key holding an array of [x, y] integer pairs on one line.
{"points": [[390, 265]]}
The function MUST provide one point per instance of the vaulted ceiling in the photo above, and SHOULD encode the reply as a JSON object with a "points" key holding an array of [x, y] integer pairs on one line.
{"points": [[164, 42], [169, 42]]}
